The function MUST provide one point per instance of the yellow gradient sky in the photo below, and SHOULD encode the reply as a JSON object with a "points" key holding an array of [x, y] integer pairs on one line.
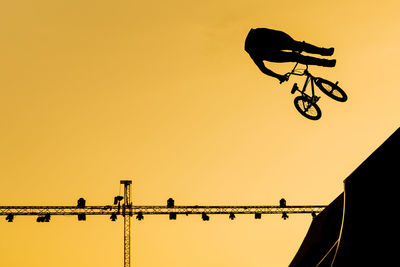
{"points": [[162, 92]]}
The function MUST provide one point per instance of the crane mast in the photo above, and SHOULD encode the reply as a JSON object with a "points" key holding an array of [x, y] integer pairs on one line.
{"points": [[127, 214]]}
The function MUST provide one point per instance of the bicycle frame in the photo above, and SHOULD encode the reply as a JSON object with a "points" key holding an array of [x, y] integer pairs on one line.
{"points": [[307, 104], [310, 78]]}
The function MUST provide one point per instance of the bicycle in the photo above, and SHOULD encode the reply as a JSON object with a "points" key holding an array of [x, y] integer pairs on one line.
{"points": [[307, 104]]}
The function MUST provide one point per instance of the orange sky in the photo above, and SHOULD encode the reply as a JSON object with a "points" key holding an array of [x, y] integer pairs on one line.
{"points": [[162, 92]]}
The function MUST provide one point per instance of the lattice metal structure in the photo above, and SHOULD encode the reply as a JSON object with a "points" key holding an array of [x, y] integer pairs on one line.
{"points": [[127, 210], [155, 210], [127, 213]]}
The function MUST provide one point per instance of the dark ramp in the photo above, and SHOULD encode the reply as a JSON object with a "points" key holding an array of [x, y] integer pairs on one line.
{"points": [[367, 233], [322, 235]]}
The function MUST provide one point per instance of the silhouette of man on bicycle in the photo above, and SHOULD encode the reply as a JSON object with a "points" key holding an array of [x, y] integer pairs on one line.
{"points": [[277, 46]]}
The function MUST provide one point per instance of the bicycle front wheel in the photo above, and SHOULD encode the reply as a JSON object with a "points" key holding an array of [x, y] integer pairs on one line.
{"points": [[330, 89], [307, 108]]}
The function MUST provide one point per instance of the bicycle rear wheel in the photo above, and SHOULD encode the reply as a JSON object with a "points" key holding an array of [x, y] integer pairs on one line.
{"points": [[307, 108], [330, 89]]}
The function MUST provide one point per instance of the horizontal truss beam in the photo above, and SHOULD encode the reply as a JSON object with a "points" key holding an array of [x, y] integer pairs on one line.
{"points": [[155, 210]]}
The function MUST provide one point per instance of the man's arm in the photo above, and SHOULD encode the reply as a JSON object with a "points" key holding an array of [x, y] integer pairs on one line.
{"points": [[265, 70]]}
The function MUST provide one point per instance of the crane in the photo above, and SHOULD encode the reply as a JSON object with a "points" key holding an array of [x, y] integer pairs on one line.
{"points": [[127, 210]]}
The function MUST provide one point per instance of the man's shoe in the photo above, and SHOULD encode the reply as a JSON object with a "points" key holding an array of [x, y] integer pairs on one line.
{"points": [[327, 51], [330, 63]]}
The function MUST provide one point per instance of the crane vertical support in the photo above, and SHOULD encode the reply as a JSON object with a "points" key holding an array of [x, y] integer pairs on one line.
{"points": [[127, 213]]}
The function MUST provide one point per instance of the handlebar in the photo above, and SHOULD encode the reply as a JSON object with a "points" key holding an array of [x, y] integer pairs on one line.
{"points": [[299, 72]]}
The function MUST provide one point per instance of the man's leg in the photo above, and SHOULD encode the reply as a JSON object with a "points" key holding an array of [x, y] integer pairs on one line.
{"points": [[309, 48], [280, 56], [307, 60]]}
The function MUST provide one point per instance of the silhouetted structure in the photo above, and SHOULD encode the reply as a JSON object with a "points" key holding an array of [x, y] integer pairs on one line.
{"points": [[170, 203], [118, 199], [45, 218], [277, 46], [172, 216], [113, 217], [139, 216], [10, 217], [282, 203], [205, 217], [81, 217], [356, 229], [127, 210], [81, 203]]}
